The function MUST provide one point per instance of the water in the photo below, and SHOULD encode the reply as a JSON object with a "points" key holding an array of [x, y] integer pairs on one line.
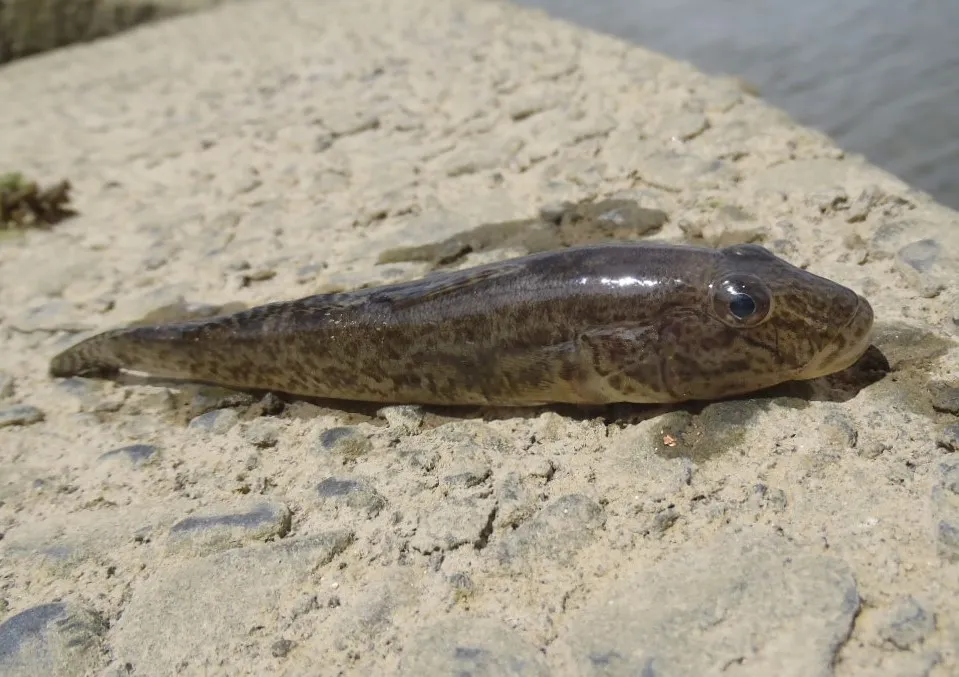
{"points": [[881, 77]]}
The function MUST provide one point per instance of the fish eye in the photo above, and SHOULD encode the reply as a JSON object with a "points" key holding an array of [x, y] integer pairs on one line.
{"points": [[740, 301]]}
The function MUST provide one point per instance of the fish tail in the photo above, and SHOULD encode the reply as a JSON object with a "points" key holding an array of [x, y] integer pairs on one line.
{"points": [[94, 356]]}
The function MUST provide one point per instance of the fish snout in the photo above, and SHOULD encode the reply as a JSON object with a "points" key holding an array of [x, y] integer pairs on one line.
{"points": [[846, 344]]}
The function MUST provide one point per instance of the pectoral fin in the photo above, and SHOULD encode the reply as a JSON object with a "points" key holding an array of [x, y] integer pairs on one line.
{"points": [[629, 360]]}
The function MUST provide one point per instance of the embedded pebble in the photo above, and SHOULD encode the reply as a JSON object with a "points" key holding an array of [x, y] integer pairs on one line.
{"points": [[461, 647], [281, 647], [209, 398], [353, 492], [556, 534], [372, 612], [7, 385], [947, 537], [20, 414], [515, 503], [134, 453], [346, 441], [837, 430], [919, 263], [662, 521], [946, 399], [948, 437], [149, 400], [468, 475], [308, 272], [403, 419], [452, 524], [159, 623], [269, 405], [945, 509], [217, 422], [57, 638], [868, 199], [694, 610], [262, 434], [212, 530], [907, 625], [79, 386]]}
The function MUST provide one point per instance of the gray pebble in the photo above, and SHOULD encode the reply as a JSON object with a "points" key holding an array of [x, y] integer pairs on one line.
{"points": [[134, 453], [948, 437], [150, 400], [765, 497], [557, 533], [516, 503], [919, 264], [452, 524], [403, 419], [468, 477], [907, 625], [947, 537], [471, 647], [864, 204], [838, 430], [346, 441], [7, 385], [270, 405], [79, 387], [211, 531], [949, 476], [257, 275], [281, 647], [217, 422], [425, 460], [51, 639], [946, 400], [309, 272], [873, 449], [470, 463], [355, 493], [209, 398], [662, 521], [304, 605], [20, 414], [687, 614], [262, 434], [945, 509]]}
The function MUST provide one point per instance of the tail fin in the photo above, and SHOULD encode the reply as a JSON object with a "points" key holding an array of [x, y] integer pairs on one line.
{"points": [[93, 356]]}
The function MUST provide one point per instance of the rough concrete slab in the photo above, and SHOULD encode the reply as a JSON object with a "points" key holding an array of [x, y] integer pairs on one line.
{"points": [[270, 149]]}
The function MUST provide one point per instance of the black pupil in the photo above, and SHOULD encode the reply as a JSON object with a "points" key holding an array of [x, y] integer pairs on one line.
{"points": [[742, 306]]}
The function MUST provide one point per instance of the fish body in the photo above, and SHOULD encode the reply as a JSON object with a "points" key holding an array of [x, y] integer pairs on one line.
{"points": [[625, 322]]}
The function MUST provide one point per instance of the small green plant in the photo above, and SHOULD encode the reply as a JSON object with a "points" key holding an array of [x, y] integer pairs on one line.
{"points": [[23, 204]]}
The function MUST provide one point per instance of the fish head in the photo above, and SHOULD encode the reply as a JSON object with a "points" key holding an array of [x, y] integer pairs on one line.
{"points": [[760, 321]]}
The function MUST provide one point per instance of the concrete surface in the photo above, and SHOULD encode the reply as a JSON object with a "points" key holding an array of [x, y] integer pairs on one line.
{"points": [[270, 149]]}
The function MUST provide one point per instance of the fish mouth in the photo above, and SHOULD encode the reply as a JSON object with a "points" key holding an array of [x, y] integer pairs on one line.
{"points": [[846, 344]]}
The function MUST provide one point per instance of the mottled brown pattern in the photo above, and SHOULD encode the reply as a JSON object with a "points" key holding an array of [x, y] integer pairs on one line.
{"points": [[597, 324]]}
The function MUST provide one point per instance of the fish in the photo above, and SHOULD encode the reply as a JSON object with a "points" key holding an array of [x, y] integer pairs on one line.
{"points": [[617, 322]]}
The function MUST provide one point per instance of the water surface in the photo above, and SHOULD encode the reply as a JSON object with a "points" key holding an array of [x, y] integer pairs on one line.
{"points": [[881, 77]]}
